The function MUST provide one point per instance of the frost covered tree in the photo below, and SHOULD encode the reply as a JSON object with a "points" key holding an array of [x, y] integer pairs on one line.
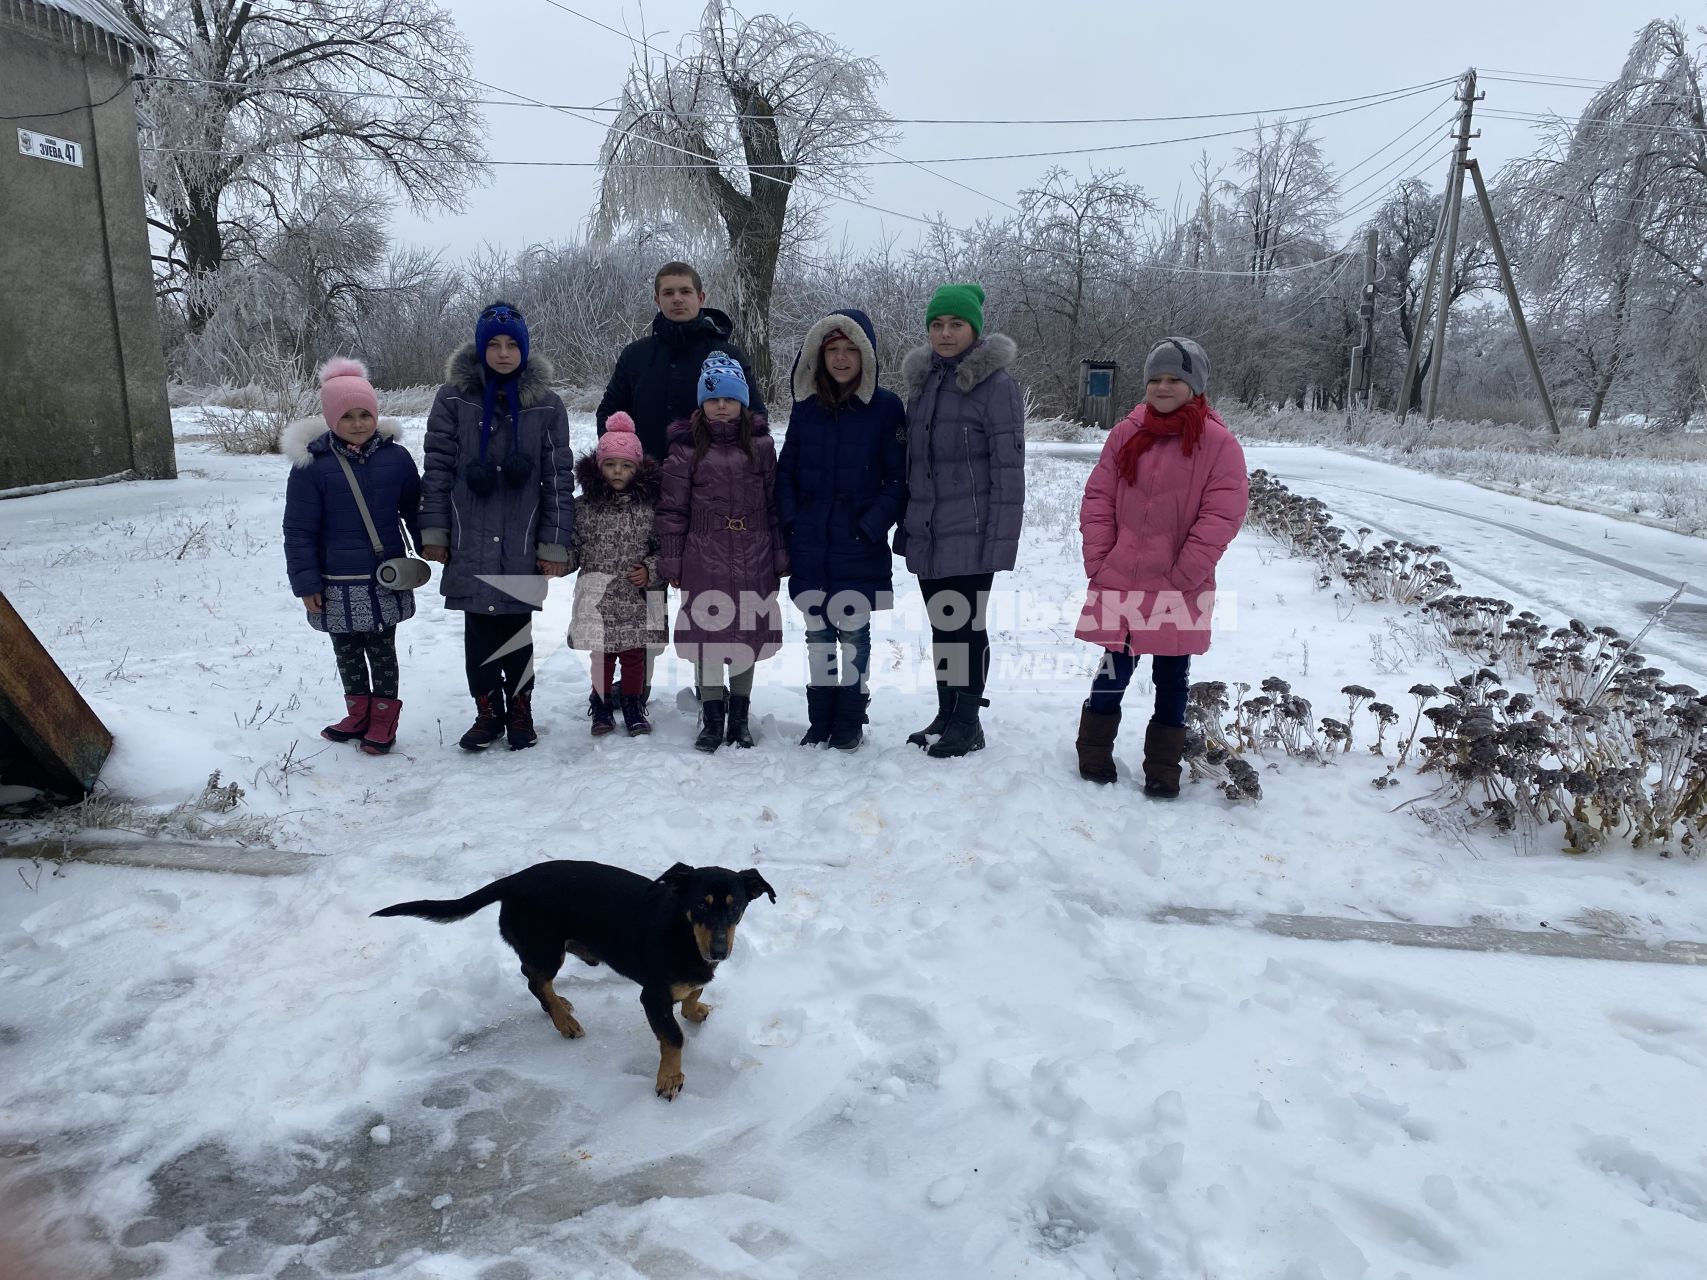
{"points": [[1072, 282], [246, 105], [1614, 228], [739, 137], [1287, 200]]}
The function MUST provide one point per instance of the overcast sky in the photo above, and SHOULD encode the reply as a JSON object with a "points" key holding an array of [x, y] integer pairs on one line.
{"points": [[1043, 58]]}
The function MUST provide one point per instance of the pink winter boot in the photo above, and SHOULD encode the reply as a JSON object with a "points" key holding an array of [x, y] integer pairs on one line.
{"points": [[382, 726], [354, 724]]}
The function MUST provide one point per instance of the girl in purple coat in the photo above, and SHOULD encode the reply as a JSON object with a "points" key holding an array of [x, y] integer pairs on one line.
{"points": [[1161, 505], [720, 544]]}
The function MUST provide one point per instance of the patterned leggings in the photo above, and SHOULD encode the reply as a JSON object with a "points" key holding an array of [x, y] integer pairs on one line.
{"points": [[367, 661]]}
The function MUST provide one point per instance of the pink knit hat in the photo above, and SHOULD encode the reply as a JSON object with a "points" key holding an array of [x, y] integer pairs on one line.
{"points": [[344, 386], [619, 440]]}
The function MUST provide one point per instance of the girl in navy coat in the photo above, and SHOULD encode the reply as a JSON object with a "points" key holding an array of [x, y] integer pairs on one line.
{"points": [[840, 487], [329, 555]]}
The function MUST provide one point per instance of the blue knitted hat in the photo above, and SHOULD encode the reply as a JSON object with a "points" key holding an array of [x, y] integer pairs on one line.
{"points": [[500, 318], [481, 474], [721, 378]]}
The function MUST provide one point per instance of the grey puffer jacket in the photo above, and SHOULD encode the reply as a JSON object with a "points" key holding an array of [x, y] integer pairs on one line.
{"points": [[965, 461], [495, 540]]}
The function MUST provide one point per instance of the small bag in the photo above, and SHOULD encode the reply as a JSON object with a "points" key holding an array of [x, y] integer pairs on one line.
{"points": [[402, 573]]}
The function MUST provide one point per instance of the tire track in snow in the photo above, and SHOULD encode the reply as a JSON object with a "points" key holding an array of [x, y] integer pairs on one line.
{"points": [[1671, 584], [1682, 661]]}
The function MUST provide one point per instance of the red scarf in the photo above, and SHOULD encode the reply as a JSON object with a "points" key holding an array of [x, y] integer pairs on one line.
{"points": [[1186, 422]]}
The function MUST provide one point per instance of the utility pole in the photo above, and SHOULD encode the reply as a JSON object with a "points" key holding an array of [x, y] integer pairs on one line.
{"points": [[1362, 378], [1441, 260], [1454, 204]]}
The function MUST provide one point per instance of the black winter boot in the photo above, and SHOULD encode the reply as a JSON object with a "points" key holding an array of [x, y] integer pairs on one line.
{"points": [[963, 732], [820, 710], [944, 701], [846, 733], [603, 713], [1164, 746], [1097, 730], [710, 727], [739, 732], [488, 724], [634, 715], [518, 721]]}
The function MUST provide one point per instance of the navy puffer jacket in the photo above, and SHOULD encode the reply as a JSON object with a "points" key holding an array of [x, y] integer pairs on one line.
{"points": [[841, 480], [323, 531]]}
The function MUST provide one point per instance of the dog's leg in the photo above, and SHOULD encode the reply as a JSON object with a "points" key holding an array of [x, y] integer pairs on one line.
{"points": [[692, 1009], [660, 1013], [559, 1010]]}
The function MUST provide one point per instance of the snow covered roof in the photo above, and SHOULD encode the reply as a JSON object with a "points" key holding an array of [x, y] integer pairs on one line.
{"points": [[95, 22]]}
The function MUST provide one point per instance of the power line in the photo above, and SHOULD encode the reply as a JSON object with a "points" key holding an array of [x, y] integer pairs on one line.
{"points": [[1539, 117], [1212, 115], [82, 106], [1431, 114], [1384, 95], [1492, 72]]}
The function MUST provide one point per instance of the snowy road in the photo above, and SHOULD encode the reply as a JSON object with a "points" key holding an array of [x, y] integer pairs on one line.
{"points": [[1550, 558]]}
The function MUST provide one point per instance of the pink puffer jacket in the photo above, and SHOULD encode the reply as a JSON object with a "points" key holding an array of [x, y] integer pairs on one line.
{"points": [[1151, 548]]}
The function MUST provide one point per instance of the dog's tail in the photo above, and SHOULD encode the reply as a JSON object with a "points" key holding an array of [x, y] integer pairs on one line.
{"points": [[444, 911]]}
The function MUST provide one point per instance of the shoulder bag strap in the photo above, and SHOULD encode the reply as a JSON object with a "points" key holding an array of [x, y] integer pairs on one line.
{"points": [[361, 502]]}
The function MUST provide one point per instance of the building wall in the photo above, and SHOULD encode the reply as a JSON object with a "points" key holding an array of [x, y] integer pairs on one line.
{"points": [[82, 375]]}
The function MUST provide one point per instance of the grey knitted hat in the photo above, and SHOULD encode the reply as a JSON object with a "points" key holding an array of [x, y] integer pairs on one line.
{"points": [[1181, 357]]}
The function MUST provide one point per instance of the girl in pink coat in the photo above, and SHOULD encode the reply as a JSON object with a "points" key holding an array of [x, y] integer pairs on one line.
{"points": [[1165, 499]]}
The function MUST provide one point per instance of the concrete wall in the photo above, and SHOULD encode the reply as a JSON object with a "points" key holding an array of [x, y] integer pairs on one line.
{"points": [[82, 376]]}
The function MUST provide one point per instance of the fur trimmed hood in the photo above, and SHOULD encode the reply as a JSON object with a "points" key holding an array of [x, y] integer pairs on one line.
{"points": [[859, 332], [298, 441], [647, 483], [464, 372], [991, 352]]}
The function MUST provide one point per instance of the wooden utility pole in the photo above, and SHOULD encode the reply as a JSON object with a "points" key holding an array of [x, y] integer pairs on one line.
{"points": [[1511, 297], [1362, 378], [1454, 205], [1441, 261]]}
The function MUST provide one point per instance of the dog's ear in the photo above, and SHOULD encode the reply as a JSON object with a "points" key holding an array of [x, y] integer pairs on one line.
{"points": [[676, 877], [755, 884]]}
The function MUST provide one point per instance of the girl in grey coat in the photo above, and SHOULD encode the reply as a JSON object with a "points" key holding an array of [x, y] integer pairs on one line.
{"points": [[965, 499], [498, 511]]}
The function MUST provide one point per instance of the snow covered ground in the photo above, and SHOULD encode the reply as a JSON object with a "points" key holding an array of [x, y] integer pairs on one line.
{"points": [[956, 1046]]}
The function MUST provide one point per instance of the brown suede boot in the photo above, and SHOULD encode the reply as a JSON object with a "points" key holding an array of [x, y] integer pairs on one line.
{"points": [[1164, 747], [1097, 732]]}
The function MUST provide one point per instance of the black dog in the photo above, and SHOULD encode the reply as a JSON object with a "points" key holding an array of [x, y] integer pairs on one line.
{"points": [[668, 934]]}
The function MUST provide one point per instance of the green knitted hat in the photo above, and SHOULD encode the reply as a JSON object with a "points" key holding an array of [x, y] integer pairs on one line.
{"points": [[963, 300]]}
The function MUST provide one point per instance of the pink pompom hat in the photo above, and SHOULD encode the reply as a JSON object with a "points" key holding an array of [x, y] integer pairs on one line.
{"points": [[619, 440], [344, 386]]}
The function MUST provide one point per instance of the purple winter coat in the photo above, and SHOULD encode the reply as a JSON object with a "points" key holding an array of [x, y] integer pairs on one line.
{"points": [[965, 461], [719, 537]]}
